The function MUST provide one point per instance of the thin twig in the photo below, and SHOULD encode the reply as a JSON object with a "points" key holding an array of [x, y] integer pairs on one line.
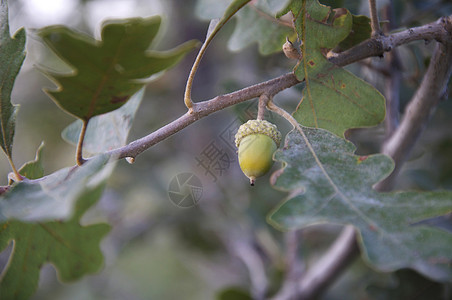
{"points": [[263, 100], [255, 265], [419, 110], [293, 265], [214, 28], [392, 82], [16, 177], [369, 48], [377, 46], [434, 30], [374, 23], [203, 109], [330, 265], [79, 152]]}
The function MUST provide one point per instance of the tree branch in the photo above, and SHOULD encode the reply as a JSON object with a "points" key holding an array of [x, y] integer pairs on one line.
{"points": [[393, 80], [438, 31], [293, 266], [203, 109], [418, 111], [331, 264], [371, 47], [374, 23]]}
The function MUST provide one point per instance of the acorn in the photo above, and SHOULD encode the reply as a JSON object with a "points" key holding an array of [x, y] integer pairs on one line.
{"points": [[256, 141]]}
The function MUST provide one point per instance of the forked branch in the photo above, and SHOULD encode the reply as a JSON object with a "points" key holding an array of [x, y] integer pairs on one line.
{"points": [[439, 31]]}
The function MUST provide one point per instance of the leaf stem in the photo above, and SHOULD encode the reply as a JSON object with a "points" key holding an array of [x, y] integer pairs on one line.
{"points": [[263, 100], [17, 176], [374, 23], [214, 27], [79, 154], [191, 77], [372, 47]]}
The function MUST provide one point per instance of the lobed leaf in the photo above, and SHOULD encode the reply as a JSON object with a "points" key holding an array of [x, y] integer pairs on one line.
{"points": [[108, 131], [256, 23], [12, 55], [329, 184], [53, 196], [333, 98], [72, 249], [107, 73], [34, 169]]}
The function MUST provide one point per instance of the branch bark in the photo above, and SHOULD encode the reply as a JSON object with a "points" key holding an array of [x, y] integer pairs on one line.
{"points": [[394, 77], [438, 31], [374, 23], [203, 109], [424, 101], [330, 265], [371, 47], [420, 108]]}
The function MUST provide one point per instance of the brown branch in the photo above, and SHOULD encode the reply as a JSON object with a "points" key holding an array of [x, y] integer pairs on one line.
{"points": [[79, 152], [203, 109], [374, 23], [294, 267], [330, 265], [371, 47], [419, 110], [377, 46]]}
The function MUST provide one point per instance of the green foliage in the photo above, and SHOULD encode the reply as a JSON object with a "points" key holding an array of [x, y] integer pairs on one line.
{"points": [[333, 99], [107, 131], [53, 196], [34, 169], [332, 185], [106, 73], [360, 32], [11, 57], [256, 23], [73, 249], [327, 183]]}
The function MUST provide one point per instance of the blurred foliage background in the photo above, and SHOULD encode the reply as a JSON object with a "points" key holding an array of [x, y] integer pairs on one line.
{"points": [[157, 250]]}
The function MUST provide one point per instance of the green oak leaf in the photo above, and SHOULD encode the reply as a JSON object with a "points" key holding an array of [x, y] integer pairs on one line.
{"points": [[333, 98], [327, 183], [72, 249], [256, 23], [12, 55], [33, 169], [106, 73], [53, 196], [360, 32], [108, 131]]}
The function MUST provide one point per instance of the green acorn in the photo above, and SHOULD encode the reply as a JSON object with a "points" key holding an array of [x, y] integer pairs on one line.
{"points": [[256, 141]]}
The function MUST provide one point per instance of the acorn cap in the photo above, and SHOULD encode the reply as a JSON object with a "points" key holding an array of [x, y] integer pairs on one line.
{"points": [[258, 126]]}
